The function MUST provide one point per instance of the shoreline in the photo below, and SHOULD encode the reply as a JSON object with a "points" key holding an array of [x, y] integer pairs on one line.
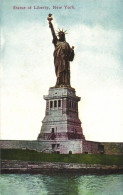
{"points": [[33, 167]]}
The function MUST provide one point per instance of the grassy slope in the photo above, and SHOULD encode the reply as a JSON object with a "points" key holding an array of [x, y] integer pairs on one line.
{"points": [[29, 155]]}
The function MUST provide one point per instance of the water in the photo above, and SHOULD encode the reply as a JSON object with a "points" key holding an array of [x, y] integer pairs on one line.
{"points": [[60, 184]]}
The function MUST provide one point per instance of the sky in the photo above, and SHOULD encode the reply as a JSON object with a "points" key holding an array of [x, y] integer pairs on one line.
{"points": [[95, 29]]}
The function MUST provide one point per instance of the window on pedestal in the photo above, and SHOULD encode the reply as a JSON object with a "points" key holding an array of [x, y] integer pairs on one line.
{"points": [[59, 103], [69, 103], [51, 104], [52, 130], [55, 103], [58, 146], [72, 104], [53, 146]]}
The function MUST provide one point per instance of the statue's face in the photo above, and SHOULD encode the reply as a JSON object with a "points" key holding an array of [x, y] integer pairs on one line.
{"points": [[61, 36]]}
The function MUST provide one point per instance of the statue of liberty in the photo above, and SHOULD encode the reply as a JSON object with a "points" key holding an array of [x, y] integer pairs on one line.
{"points": [[63, 54]]}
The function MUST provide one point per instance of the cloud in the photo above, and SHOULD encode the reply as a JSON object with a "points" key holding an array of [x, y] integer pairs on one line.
{"points": [[97, 52]]}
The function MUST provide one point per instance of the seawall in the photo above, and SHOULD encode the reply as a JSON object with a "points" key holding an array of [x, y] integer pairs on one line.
{"points": [[32, 167]]}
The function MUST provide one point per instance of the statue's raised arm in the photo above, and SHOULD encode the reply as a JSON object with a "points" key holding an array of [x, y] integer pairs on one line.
{"points": [[63, 54], [51, 27]]}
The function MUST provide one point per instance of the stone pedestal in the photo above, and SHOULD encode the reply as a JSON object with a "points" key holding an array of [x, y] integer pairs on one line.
{"points": [[61, 121]]}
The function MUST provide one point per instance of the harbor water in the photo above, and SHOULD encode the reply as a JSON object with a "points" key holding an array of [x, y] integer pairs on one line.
{"points": [[61, 184]]}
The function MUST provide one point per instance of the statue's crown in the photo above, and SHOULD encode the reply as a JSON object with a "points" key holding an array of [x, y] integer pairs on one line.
{"points": [[61, 31]]}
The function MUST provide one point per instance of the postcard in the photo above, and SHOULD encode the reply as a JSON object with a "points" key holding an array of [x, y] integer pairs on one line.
{"points": [[51, 44], [94, 29]]}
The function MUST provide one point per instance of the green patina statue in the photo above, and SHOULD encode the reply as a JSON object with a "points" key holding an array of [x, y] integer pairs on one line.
{"points": [[63, 54]]}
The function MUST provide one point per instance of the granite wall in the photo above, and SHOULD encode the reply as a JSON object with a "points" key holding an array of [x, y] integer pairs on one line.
{"points": [[113, 147], [66, 146], [21, 144]]}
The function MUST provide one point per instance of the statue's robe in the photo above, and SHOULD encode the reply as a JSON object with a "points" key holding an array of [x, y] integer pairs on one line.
{"points": [[63, 54]]}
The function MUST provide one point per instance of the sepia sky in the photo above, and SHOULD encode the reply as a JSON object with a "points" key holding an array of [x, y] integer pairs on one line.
{"points": [[95, 28]]}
